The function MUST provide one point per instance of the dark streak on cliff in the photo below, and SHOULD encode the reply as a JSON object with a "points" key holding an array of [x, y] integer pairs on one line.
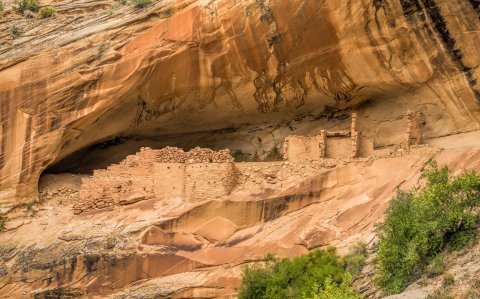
{"points": [[449, 43]]}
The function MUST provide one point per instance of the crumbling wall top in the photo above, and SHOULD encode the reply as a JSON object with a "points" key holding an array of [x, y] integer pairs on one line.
{"points": [[178, 155]]}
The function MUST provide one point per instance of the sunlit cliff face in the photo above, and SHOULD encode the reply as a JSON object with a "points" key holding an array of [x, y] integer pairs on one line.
{"points": [[237, 74]]}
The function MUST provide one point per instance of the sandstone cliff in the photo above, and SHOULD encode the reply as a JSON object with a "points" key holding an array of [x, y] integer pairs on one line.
{"points": [[100, 71]]}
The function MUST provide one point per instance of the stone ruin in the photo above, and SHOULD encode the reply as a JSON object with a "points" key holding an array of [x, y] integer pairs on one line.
{"points": [[413, 135], [202, 174], [329, 144], [196, 175]]}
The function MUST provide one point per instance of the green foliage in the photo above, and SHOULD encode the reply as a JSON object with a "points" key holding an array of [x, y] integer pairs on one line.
{"points": [[3, 222], [334, 290], [123, 2], [15, 31], [274, 154], [2, 7], [22, 5], [46, 12], [141, 3], [421, 224], [319, 274]]}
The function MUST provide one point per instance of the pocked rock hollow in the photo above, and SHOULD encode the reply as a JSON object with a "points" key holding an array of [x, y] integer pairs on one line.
{"points": [[220, 70]]}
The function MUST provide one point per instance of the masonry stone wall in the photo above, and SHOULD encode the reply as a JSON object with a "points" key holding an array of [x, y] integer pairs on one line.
{"points": [[339, 147], [298, 148], [165, 173], [209, 180], [413, 134], [169, 180], [328, 144]]}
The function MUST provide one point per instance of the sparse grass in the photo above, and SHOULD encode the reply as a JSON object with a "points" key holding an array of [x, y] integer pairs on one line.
{"points": [[2, 8], [441, 293], [15, 31], [3, 222], [141, 3], [123, 2], [355, 260], [47, 12], [448, 279], [21, 6], [420, 224], [436, 266]]}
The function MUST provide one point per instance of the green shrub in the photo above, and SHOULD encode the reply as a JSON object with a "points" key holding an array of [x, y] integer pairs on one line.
{"points": [[141, 3], [46, 12], [3, 222], [15, 31], [421, 224], [334, 290], [22, 5], [319, 274]]}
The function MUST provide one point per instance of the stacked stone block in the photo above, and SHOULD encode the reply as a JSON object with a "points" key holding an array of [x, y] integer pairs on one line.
{"points": [[331, 144], [413, 135], [196, 175]]}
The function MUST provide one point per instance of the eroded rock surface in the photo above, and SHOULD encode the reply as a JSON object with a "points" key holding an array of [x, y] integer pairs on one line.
{"points": [[175, 248], [241, 74]]}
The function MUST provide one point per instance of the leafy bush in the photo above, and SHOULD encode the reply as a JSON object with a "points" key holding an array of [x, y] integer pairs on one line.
{"points": [[3, 222], [15, 31], [319, 274], [46, 12], [421, 224], [22, 5], [141, 3]]}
